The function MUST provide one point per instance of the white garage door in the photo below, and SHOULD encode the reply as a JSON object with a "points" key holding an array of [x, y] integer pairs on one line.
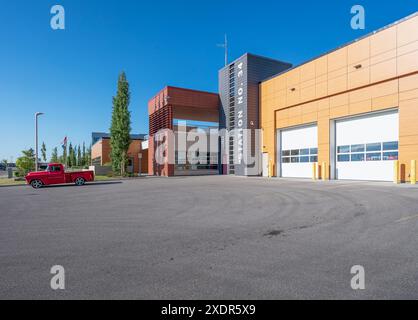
{"points": [[299, 150], [367, 147]]}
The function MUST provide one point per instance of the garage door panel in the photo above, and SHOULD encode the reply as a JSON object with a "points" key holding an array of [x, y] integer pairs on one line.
{"points": [[367, 147], [299, 150]]}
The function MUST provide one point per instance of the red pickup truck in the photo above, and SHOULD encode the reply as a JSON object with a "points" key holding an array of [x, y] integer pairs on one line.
{"points": [[55, 174]]}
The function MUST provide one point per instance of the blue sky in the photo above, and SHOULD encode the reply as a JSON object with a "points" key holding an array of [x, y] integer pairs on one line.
{"points": [[71, 75]]}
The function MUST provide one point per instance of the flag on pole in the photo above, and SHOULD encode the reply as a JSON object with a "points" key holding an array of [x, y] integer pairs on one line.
{"points": [[64, 143]]}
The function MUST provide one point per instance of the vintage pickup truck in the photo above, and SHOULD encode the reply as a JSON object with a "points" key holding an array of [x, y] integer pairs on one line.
{"points": [[55, 174]]}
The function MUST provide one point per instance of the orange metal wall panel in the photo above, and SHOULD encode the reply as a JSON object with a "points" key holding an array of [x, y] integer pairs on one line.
{"points": [[375, 73]]}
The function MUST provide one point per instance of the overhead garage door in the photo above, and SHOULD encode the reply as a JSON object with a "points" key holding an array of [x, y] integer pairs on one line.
{"points": [[299, 150], [367, 147]]}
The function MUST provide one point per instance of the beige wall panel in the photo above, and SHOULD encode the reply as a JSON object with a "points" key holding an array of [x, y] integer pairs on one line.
{"points": [[360, 95], [408, 141], [282, 122], [408, 115], [359, 78], [385, 102], [295, 112], [307, 93], [383, 89], [295, 121], [408, 63], [358, 51], [383, 41], [280, 82], [323, 113], [407, 31], [339, 100], [293, 78], [337, 59], [408, 83], [307, 72], [293, 97], [338, 112], [383, 70], [382, 57], [321, 87], [410, 47], [408, 95], [337, 73], [337, 85], [282, 99], [360, 107], [310, 107], [321, 66], [323, 131], [310, 117], [282, 114], [323, 104]]}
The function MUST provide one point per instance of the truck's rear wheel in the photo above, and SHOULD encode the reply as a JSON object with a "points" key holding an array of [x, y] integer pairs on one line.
{"points": [[80, 182], [36, 184]]}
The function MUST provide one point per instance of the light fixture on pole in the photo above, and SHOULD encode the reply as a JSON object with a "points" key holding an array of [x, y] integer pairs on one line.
{"points": [[36, 139]]}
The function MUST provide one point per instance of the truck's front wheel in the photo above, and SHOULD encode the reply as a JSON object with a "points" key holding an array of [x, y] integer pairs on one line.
{"points": [[80, 182], [36, 184]]}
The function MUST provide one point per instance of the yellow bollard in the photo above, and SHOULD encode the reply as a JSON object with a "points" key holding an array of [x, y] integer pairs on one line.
{"points": [[413, 172], [314, 168], [396, 178], [270, 169], [324, 171]]}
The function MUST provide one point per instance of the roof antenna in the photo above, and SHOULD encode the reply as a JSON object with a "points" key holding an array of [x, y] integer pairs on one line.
{"points": [[225, 46]]}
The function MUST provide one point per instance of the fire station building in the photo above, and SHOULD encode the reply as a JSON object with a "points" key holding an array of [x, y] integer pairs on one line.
{"points": [[350, 114]]}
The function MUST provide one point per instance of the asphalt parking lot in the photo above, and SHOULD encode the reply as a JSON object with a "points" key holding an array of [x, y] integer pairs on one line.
{"points": [[210, 238]]}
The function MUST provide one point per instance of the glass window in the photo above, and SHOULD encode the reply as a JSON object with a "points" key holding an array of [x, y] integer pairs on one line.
{"points": [[304, 152], [374, 147], [286, 160], [314, 151], [295, 159], [374, 157], [357, 148], [294, 152], [390, 145], [314, 159], [390, 156], [304, 159], [357, 157], [286, 153], [344, 149], [344, 158]]}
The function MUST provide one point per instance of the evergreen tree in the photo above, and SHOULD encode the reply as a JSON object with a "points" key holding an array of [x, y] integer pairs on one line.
{"points": [[70, 155], [120, 129], [43, 152], [84, 160], [54, 155], [79, 160], [63, 158], [88, 156]]}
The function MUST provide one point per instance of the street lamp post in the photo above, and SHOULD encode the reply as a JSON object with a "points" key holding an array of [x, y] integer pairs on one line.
{"points": [[36, 139]]}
